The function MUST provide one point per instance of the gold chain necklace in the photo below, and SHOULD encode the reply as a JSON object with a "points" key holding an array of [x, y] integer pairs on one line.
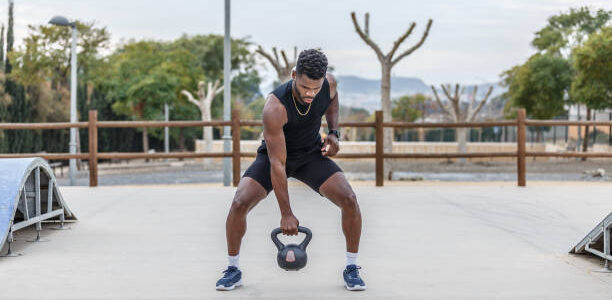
{"points": [[298, 110]]}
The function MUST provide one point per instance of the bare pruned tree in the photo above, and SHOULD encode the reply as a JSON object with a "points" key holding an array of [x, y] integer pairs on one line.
{"points": [[283, 71], [453, 109], [387, 61], [206, 93]]}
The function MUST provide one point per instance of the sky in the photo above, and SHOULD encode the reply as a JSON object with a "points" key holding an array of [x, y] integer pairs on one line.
{"points": [[471, 41]]}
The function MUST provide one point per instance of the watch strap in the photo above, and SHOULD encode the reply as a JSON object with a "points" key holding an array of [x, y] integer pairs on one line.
{"points": [[334, 132]]}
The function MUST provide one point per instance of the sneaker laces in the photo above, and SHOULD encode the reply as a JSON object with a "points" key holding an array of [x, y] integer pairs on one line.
{"points": [[353, 271], [226, 273]]}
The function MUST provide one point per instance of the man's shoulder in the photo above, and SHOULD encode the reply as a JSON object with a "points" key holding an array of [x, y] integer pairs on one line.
{"points": [[274, 111], [273, 103], [331, 79]]}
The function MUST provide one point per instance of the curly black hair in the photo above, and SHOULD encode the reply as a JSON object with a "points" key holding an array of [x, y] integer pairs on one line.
{"points": [[313, 63]]}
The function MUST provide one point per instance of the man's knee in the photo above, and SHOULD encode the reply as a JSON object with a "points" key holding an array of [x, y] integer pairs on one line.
{"points": [[242, 202], [349, 202], [240, 205]]}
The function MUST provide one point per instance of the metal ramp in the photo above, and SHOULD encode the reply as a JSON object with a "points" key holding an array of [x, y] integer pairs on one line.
{"points": [[28, 196], [597, 242]]}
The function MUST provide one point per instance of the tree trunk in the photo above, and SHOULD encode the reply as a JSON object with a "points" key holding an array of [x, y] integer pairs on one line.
{"points": [[207, 130], [461, 142], [539, 134], [421, 132], [385, 93], [585, 142], [284, 77]]}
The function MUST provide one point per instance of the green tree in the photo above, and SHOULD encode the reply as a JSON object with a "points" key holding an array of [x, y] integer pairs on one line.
{"points": [[568, 30], [42, 66], [145, 76], [2, 48], [10, 37], [4, 102], [208, 51], [188, 60], [133, 82], [592, 84], [408, 109], [539, 86], [593, 65], [19, 109], [554, 43]]}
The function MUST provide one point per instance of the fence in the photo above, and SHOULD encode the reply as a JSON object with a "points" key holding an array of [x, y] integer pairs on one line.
{"points": [[93, 155]]}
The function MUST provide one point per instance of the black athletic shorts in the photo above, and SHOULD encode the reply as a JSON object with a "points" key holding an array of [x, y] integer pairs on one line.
{"points": [[311, 168]]}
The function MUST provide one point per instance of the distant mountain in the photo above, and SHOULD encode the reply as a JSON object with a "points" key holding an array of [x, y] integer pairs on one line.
{"points": [[361, 92], [399, 85]]}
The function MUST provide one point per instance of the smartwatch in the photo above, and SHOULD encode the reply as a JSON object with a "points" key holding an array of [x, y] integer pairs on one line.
{"points": [[334, 132]]}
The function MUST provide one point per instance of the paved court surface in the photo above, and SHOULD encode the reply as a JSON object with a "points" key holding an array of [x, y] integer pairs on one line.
{"points": [[420, 241]]}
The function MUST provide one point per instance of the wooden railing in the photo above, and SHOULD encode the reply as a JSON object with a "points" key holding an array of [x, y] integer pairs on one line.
{"points": [[93, 155]]}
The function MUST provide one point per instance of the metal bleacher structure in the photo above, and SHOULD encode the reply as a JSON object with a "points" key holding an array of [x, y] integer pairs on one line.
{"points": [[28, 196], [597, 242]]}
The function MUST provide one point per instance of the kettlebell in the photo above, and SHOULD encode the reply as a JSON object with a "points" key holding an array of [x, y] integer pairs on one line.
{"points": [[291, 257]]}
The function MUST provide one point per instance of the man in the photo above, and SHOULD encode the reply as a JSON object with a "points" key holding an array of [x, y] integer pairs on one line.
{"points": [[292, 147]]}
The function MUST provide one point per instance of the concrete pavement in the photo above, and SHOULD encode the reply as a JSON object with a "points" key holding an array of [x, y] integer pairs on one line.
{"points": [[421, 240]]}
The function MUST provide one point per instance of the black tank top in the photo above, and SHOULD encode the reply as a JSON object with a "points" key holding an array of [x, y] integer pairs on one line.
{"points": [[302, 132]]}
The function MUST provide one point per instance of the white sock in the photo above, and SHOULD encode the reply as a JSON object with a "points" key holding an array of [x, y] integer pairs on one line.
{"points": [[233, 260], [351, 258]]}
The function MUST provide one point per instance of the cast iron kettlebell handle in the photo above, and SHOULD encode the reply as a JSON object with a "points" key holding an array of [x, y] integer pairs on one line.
{"points": [[302, 245]]}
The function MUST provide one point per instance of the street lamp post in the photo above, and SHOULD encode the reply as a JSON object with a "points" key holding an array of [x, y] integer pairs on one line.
{"points": [[227, 94], [62, 21]]}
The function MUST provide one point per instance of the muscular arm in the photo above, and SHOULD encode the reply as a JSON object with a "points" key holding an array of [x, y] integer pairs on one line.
{"points": [[274, 118], [331, 145], [331, 115]]}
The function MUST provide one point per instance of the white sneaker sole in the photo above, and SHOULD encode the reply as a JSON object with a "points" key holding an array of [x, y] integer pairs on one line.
{"points": [[355, 288], [229, 288]]}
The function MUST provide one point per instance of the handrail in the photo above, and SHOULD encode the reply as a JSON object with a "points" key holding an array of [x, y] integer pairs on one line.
{"points": [[236, 123]]}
